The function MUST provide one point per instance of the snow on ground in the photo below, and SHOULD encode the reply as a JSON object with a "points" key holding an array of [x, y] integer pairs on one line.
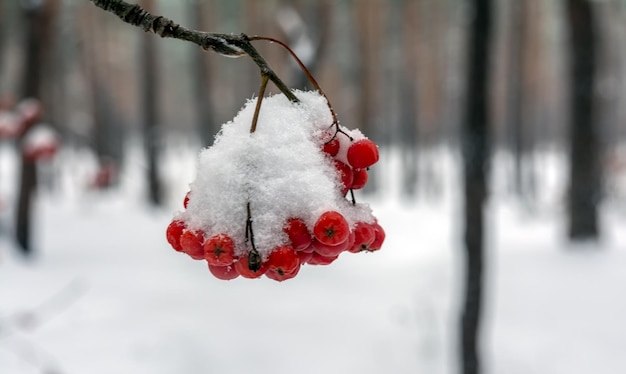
{"points": [[114, 298]]}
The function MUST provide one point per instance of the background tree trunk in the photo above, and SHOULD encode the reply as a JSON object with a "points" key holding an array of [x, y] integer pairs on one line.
{"points": [[149, 89], [584, 161], [475, 156], [33, 23], [205, 113]]}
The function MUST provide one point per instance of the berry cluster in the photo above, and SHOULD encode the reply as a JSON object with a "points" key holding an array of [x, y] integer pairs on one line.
{"points": [[268, 203], [351, 157]]}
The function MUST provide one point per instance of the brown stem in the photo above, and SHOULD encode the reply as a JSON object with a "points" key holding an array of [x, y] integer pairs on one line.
{"points": [[231, 45], [257, 109], [304, 69]]}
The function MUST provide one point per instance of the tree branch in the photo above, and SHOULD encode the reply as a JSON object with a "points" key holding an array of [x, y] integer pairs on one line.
{"points": [[230, 45]]}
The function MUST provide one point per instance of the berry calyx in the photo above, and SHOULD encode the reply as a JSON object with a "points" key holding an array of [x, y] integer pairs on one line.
{"points": [[174, 231], [223, 272], [282, 262], [298, 234], [359, 178], [192, 242], [219, 250], [331, 228], [363, 154]]}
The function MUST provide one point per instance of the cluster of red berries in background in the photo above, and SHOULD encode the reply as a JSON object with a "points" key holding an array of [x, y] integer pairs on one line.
{"points": [[313, 238], [39, 142]]}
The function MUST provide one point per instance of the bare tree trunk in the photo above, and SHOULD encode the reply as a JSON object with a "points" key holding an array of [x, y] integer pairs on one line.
{"points": [[475, 157], [205, 113], [149, 89], [584, 163], [33, 16]]}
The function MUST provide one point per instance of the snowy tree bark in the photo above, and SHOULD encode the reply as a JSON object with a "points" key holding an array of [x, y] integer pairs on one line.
{"points": [[475, 157], [584, 162]]}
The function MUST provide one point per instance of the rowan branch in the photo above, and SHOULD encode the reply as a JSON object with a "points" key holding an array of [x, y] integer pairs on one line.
{"points": [[230, 45]]}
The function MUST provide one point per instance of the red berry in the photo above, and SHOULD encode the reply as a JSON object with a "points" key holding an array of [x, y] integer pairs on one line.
{"points": [[285, 276], [174, 231], [363, 154], [331, 228], [304, 256], [298, 233], [359, 178], [364, 236], [186, 200], [283, 259], [219, 250], [242, 268], [317, 259], [332, 147], [330, 251], [192, 242], [380, 237], [283, 263], [345, 174], [223, 272]]}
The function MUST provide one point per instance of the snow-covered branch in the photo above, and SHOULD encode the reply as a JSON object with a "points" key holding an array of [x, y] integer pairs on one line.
{"points": [[231, 45]]}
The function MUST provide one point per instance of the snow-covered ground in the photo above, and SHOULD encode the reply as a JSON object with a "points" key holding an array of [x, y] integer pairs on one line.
{"points": [[106, 294]]}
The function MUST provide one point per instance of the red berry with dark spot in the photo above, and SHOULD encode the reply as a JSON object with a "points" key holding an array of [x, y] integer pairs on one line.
{"points": [[283, 263], [331, 228], [192, 243], [223, 272], [363, 154], [364, 236], [219, 250], [242, 268], [174, 231], [298, 234], [359, 178]]}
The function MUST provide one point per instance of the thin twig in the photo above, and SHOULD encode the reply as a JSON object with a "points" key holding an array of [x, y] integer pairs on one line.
{"points": [[304, 69], [259, 99], [231, 45]]}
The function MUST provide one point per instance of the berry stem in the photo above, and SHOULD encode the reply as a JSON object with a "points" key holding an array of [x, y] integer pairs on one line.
{"points": [[264, 79], [304, 69], [254, 258], [352, 196]]}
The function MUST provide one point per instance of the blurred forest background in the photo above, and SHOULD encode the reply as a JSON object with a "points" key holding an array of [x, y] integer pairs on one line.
{"points": [[396, 69]]}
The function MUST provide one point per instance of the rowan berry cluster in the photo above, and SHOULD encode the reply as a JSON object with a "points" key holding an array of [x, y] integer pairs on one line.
{"points": [[291, 236]]}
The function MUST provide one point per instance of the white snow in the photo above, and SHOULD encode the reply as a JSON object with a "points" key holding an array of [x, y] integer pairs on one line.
{"points": [[114, 298]]}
